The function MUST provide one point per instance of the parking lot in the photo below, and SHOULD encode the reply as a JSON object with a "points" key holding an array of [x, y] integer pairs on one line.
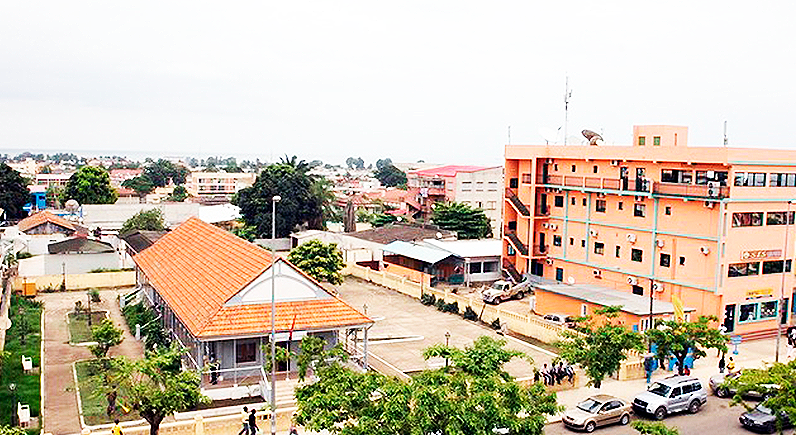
{"points": [[404, 328]]}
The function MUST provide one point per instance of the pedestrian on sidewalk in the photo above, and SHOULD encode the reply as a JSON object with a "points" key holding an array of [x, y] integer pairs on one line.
{"points": [[722, 364], [253, 429], [293, 430], [648, 368], [791, 342], [731, 366], [244, 417], [116, 429]]}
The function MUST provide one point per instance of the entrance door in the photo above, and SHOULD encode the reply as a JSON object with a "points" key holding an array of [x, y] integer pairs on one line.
{"points": [[783, 320], [624, 176], [537, 268], [729, 317], [640, 173], [542, 243], [559, 274], [543, 204], [545, 172]]}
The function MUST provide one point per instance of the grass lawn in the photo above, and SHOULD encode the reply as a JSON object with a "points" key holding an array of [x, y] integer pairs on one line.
{"points": [[28, 389], [79, 332], [90, 381]]}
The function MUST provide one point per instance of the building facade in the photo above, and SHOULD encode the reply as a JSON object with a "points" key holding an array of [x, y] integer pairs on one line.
{"points": [[218, 183], [476, 186], [659, 219]]}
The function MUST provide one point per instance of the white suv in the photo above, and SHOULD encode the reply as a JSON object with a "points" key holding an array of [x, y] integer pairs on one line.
{"points": [[670, 395]]}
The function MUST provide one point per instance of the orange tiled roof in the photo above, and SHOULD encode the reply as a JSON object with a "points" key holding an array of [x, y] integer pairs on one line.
{"points": [[43, 217], [198, 267]]}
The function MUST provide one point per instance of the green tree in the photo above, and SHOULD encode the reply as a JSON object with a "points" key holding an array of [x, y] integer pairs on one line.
{"points": [[54, 195], [468, 222], [653, 428], [145, 220], [390, 176], [142, 185], [156, 386], [322, 261], [599, 344], [382, 219], [780, 399], [179, 194], [163, 171], [12, 430], [677, 338], [106, 335], [90, 185], [321, 190], [299, 205], [14, 192], [473, 395]]}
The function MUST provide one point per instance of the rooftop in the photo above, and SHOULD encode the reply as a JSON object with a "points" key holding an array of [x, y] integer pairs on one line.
{"points": [[422, 253], [469, 248], [81, 245], [43, 217], [403, 232], [139, 240], [449, 170]]}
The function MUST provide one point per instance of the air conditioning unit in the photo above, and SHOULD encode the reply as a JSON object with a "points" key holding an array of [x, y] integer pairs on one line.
{"points": [[713, 189], [545, 225], [614, 162], [709, 204], [632, 280], [549, 261], [711, 174], [553, 226], [704, 249], [593, 233], [656, 286], [597, 272], [601, 195], [660, 243], [631, 238]]}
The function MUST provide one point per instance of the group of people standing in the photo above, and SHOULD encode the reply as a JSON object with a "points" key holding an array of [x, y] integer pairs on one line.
{"points": [[554, 374], [249, 422]]}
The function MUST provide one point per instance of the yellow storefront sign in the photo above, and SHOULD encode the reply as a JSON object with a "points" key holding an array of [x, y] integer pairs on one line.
{"points": [[759, 293]]}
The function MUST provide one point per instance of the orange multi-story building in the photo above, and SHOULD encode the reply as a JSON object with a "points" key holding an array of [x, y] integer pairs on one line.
{"points": [[657, 219]]}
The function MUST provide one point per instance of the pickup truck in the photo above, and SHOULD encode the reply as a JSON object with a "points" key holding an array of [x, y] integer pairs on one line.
{"points": [[501, 291]]}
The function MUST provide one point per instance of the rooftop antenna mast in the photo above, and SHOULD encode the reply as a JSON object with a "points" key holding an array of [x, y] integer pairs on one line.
{"points": [[509, 135], [567, 96], [725, 134]]}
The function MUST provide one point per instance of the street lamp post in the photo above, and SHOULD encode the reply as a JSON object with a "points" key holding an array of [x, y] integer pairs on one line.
{"points": [[447, 343], [13, 388], [782, 285], [274, 200]]}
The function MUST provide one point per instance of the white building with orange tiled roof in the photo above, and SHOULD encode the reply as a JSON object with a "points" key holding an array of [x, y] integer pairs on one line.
{"points": [[213, 293]]}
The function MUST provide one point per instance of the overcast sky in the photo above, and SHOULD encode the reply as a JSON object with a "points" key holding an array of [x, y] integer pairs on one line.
{"points": [[434, 80]]}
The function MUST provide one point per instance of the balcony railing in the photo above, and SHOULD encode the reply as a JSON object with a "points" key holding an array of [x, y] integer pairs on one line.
{"points": [[629, 184], [540, 250], [692, 190], [522, 248], [515, 200]]}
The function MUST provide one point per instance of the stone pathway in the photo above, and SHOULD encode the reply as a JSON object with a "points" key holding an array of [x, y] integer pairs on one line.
{"points": [[61, 415]]}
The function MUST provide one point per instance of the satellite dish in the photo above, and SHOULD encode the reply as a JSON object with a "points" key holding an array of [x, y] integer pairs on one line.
{"points": [[549, 135], [594, 138], [72, 206], [571, 280]]}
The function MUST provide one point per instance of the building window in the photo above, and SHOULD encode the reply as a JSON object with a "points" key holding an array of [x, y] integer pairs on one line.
{"points": [[559, 274], [584, 310], [777, 218], [584, 201], [490, 266], [783, 180], [748, 313], [751, 219], [703, 177], [600, 205], [639, 210], [676, 176], [571, 241], [636, 255], [599, 248], [475, 267], [526, 179], [573, 200], [556, 240], [743, 269], [620, 205], [582, 243], [246, 352], [559, 201], [656, 141], [682, 261], [750, 179], [509, 249], [555, 167], [594, 169], [638, 290], [768, 310], [775, 266], [574, 168], [668, 210], [514, 183], [666, 260], [618, 251], [642, 141]]}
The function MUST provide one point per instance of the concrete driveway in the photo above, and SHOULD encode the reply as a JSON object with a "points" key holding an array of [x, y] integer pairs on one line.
{"points": [[405, 327]]}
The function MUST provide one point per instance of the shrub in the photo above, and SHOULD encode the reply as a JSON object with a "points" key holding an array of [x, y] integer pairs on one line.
{"points": [[428, 299], [495, 324], [469, 314], [440, 304], [22, 255], [451, 308], [78, 307], [151, 330], [94, 295]]}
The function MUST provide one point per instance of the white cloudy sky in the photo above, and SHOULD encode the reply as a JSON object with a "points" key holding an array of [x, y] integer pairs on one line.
{"points": [[433, 80]]}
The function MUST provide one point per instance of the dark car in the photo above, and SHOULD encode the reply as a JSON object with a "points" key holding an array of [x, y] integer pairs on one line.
{"points": [[763, 419]]}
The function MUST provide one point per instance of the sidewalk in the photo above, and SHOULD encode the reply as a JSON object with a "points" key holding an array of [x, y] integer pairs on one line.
{"points": [[750, 355]]}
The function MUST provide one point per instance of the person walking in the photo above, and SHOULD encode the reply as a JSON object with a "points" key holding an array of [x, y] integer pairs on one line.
{"points": [[791, 342], [253, 429], [722, 364], [116, 429], [244, 417], [648, 368], [730, 365]]}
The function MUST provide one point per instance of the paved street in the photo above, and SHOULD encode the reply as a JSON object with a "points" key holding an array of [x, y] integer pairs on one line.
{"points": [[404, 328]]}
